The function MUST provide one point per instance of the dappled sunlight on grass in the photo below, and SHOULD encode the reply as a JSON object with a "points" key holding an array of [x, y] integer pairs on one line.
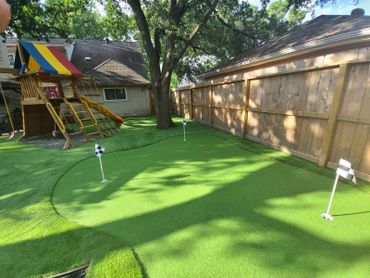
{"points": [[206, 207]]}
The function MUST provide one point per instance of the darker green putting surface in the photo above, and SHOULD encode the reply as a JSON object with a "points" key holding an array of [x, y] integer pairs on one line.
{"points": [[205, 208]]}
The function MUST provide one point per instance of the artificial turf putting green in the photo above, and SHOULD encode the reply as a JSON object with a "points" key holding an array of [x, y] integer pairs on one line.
{"points": [[206, 208]]}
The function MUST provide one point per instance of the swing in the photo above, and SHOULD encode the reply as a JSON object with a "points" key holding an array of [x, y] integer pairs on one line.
{"points": [[12, 133]]}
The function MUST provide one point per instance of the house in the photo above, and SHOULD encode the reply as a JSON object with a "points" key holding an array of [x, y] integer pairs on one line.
{"points": [[306, 92], [118, 68]]}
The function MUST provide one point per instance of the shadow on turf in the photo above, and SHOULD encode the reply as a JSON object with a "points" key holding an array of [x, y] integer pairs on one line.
{"points": [[352, 213], [156, 225], [242, 200]]}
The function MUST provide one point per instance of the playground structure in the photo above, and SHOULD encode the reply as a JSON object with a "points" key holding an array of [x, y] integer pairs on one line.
{"points": [[51, 99]]}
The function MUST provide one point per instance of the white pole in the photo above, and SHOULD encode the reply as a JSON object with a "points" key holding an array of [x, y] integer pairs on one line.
{"points": [[104, 180], [184, 132], [332, 194]]}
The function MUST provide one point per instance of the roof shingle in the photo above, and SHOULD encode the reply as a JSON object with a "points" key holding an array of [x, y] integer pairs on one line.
{"points": [[114, 73]]}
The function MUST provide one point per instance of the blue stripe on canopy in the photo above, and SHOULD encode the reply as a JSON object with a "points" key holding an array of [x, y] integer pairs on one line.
{"points": [[31, 49]]}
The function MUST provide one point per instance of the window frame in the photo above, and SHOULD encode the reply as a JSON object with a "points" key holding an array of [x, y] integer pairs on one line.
{"points": [[115, 100]]}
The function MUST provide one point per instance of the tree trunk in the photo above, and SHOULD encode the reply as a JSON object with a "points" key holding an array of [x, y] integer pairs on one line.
{"points": [[162, 96]]}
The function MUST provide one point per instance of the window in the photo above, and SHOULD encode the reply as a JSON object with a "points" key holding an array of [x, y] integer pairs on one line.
{"points": [[11, 58], [115, 94]]}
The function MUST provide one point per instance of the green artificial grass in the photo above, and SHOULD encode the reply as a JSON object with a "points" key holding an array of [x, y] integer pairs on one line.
{"points": [[36, 241], [218, 206]]}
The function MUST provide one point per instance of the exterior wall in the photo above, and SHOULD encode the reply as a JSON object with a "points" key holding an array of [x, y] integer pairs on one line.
{"points": [[137, 103], [314, 107]]}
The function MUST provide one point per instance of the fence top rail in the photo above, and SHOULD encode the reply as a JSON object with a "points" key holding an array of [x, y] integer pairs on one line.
{"points": [[208, 84], [315, 68]]}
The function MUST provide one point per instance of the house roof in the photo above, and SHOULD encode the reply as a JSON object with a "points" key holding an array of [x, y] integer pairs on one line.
{"points": [[127, 53], [115, 73], [318, 29]]}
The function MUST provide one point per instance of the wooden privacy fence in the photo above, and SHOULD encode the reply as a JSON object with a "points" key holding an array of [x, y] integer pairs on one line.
{"points": [[320, 113]]}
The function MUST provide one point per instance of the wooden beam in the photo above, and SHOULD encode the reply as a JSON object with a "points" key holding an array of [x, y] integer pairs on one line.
{"points": [[284, 149], [314, 115], [354, 119], [9, 70], [281, 73], [21, 56], [247, 88], [209, 83], [335, 108]]}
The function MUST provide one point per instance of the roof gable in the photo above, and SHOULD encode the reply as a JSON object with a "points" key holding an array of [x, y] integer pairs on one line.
{"points": [[114, 73]]}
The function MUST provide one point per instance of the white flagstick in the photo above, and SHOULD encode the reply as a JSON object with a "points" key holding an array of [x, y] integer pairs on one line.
{"points": [[184, 125], [99, 152], [327, 215], [344, 170], [104, 180]]}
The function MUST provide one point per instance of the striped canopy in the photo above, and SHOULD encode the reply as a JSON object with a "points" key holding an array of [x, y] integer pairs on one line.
{"points": [[41, 58]]}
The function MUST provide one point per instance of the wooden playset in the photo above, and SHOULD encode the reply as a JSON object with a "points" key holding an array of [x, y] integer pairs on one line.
{"points": [[51, 99]]}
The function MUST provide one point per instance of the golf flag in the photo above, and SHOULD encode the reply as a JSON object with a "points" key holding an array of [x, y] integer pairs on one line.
{"points": [[344, 170], [99, 150]]}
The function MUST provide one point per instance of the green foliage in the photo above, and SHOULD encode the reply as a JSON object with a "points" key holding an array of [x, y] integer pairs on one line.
{"points": [[26, 14], [115, 21], [67, 19], [241, 27]]}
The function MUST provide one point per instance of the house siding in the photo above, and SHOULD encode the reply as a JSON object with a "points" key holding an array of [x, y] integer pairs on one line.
{"points": [[137, 103]]}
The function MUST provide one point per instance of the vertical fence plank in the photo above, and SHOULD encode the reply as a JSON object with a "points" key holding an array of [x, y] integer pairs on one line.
{"points": [[333, 114], [191, 104], [180, 105], [210, 104], [247, 87]]}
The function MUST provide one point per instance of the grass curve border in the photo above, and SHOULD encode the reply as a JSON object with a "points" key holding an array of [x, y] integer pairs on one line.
{"points": [[229, 141]]}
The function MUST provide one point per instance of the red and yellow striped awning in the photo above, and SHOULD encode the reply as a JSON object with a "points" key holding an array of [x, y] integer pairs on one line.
{"points": [[42, 58]]}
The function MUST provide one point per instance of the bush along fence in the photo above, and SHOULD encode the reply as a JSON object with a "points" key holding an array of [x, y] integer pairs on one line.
{"points": [[319, 113]]}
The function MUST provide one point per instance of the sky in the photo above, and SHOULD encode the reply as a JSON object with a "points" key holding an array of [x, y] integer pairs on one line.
{"points": [[340, 7]]}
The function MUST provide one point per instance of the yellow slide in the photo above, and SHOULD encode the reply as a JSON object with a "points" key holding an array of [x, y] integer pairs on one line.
{"points": [[104, 110]]}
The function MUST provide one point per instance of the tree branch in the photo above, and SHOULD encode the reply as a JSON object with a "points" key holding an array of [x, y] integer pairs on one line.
{"points": [[194, 33], [223, 22]]}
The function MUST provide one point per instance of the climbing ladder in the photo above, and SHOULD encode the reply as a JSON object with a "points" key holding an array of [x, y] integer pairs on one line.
{"points": [[83, 117], [104, 117], [84, 121]]}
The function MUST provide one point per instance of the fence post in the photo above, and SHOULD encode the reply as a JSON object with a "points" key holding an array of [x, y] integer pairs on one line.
{"points": [[180, 105], [335, 108], [247, 86], [210, 102], [191, 104]]}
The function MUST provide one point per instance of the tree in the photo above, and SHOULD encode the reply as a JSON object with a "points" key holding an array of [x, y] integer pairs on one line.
{"points": [[241, 28], [174, 25], [169, 28], [115, 21], [26, 13]]}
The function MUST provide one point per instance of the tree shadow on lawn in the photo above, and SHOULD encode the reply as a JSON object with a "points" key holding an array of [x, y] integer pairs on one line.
{"points": [[64, 251], [273, 206]]}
